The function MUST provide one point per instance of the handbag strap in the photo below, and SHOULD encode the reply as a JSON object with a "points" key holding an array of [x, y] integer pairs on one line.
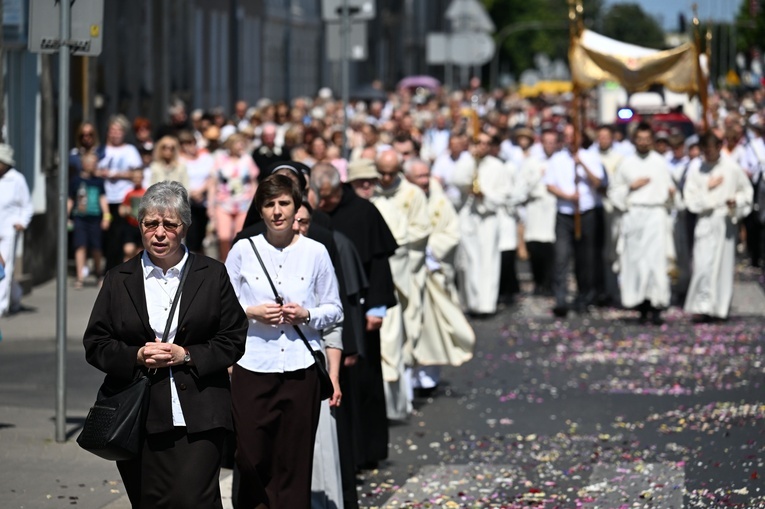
{"points": [[278, 298], [184, 273]]}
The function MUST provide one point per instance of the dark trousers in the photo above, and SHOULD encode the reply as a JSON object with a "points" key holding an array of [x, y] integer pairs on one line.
{"points": [[567, 247], [198, 229], [542, 261], [754, 238], [276, 416], [176, 470], [508, 279], [113, 238], [602, 269]]}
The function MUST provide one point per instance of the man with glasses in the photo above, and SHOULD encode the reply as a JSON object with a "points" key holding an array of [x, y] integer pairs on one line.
{"points": [[362, 223]]}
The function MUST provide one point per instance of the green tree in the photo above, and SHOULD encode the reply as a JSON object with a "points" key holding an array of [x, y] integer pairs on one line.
{"points": [[630, 23], [750, 23], [552, 38]]}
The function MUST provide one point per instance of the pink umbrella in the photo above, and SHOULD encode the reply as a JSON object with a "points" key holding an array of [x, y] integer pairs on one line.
{"points": [[428, 82]]}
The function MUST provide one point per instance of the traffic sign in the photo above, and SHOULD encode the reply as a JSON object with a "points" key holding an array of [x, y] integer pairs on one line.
{"points": [[87, 23], [332, 10], [357, 41], [469, 15], [471, 48]]}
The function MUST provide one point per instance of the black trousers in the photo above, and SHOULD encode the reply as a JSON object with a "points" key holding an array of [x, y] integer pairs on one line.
{"points": [[276, 416], [542, 261], [567, 247], [176, 470], [114, 238], [198, 229], [508, 279], [754, 238]]}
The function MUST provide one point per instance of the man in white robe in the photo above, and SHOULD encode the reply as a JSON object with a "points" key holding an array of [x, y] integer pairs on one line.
{"points": [[486, 188], [641, 190], [539, 231], [443, 167], [447, 337], [718, 191], [15, 214], [405, 209]]}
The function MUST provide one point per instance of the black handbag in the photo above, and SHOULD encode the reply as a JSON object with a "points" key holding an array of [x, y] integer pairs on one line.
{"points": [[114, 427], [326, 388]]}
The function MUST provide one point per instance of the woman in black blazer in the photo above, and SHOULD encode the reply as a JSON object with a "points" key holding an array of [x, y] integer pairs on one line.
{"points": [[190, 400]]}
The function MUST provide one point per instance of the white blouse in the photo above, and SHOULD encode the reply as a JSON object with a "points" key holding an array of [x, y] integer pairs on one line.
{"points": [[160, 290], [303, 274]]}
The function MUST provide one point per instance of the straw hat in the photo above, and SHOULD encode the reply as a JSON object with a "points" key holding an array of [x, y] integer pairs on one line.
{"points": [[362, 169]]}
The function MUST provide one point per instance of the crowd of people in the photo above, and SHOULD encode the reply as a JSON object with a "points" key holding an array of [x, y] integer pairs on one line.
{"points": [[381, 256]]}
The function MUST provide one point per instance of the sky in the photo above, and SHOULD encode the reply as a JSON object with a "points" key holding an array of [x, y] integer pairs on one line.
{"points": [[666, 11]]}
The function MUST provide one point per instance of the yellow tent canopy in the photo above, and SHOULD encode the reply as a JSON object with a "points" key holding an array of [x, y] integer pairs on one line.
{"points": [[552, 87]]}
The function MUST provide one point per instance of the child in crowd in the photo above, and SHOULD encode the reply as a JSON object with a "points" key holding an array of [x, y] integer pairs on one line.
{"points": [[89, 212], [132, 242]]}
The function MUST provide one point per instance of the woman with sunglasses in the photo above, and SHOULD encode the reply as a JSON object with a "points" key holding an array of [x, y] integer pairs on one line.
{"points": [[167, 164], [189, 410]]}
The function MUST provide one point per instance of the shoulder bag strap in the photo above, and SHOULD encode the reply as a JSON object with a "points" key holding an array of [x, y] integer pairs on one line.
{"points": [[278, 298], [184, 273]]}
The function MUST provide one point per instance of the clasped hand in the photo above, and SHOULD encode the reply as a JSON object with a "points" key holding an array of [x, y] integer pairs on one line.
{"points": [[160, 355], [273, 314]]}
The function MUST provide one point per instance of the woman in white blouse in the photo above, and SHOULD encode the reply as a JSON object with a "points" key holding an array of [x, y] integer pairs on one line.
{"points": [[275, 387]]}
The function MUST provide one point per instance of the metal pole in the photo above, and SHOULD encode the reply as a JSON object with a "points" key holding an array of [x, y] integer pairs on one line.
{"points": [[346, 35], [63, 173]]}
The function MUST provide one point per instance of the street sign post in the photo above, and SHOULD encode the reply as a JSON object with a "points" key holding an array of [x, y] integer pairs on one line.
{"points": [[86, 26], [360, 10], [357, 43], [71, 27]]}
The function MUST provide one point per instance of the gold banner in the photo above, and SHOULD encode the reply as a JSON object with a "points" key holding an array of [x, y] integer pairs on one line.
{"points": [[635, 68]]}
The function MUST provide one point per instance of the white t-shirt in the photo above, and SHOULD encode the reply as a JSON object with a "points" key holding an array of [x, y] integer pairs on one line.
{"points": [[199, 170], [117, 160], [561, 174]]}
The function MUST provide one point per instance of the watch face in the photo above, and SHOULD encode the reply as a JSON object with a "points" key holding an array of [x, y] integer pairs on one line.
{"points": [[187, 357]]}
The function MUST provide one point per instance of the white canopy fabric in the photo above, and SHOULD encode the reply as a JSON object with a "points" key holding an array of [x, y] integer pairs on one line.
{"points": [[595, 58]]}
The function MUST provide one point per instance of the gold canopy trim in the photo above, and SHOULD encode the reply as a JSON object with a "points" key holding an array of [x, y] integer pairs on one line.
{"points": [[595, 58]]}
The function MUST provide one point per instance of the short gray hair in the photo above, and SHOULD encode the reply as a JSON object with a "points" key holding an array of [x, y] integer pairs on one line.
{"points": [[167, 196], [409, 165], [323, 174]]}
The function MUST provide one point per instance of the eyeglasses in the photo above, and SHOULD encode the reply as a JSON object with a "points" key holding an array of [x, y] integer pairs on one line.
{"points": [[83, 135], [151, 226]]}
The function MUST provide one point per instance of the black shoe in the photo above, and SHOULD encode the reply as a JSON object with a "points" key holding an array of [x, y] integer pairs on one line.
{"points": [[656, 318], [560, 311], [424, 393]]}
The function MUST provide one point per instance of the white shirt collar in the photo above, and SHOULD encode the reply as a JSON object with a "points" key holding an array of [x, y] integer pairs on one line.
{"points": [[150, 267]]}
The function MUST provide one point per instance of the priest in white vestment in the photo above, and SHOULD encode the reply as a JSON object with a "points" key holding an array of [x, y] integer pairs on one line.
{"points": [[486, 188], [718, 191], [642, 191], [404, 208], [447, 337]]}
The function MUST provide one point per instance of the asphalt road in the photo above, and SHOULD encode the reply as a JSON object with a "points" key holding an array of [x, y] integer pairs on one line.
{"points": [[594, 412]]}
